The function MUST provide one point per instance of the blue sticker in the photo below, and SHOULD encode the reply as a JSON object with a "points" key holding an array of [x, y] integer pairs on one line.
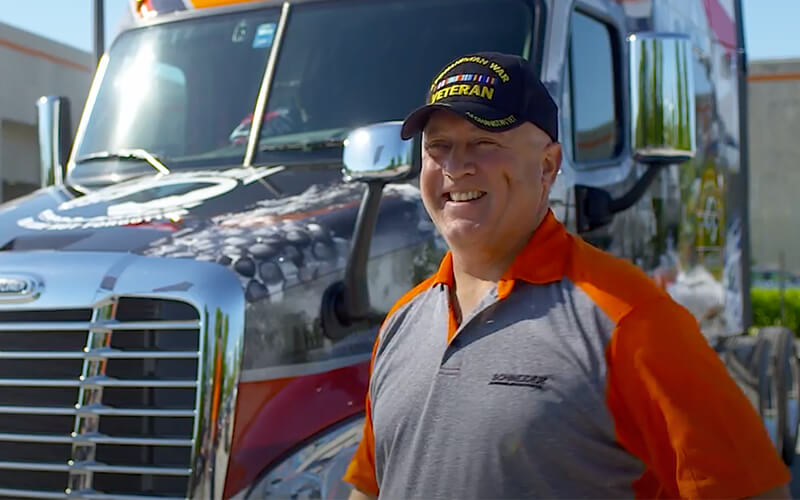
{"points": [[265, 33]]}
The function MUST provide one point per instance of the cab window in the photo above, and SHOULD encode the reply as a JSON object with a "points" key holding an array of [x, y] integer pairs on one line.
{"points": [[594, 83]]}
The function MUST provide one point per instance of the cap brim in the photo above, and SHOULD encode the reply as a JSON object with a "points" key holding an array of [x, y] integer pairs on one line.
{"points": [[416, 121]]}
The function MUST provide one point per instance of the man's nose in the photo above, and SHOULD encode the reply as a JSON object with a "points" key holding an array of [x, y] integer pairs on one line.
{"points": [[459, 162]]}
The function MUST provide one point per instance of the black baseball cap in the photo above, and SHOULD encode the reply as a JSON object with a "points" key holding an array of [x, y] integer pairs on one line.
{"points": [[494, 91]]}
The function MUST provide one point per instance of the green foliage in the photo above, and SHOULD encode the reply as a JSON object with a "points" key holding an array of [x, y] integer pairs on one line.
{"points": [[766, 308]]}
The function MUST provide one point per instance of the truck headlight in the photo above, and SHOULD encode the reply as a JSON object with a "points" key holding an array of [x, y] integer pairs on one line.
{"points": [[314, 471]]}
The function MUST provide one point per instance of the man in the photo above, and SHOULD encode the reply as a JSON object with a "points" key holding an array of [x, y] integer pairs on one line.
{"points": [[532, 364]]}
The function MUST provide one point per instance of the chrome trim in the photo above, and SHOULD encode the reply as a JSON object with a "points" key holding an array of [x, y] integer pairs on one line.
{"points": [[93, 438], [55, 326], [102, 66], [100, 354], [144, 325], [92, 466], [83, 495], [87, 422], [263, 93], [29, 494], [99, 410], [82, 326], [31, 288], [35, 410], [96, 381], [216, 293]]}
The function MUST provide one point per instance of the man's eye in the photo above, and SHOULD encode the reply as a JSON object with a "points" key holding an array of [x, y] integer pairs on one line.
{"points": [[436, 146]]}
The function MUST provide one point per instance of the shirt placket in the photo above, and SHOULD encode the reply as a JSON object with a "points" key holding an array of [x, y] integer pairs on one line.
{"points": [[451, 359]]}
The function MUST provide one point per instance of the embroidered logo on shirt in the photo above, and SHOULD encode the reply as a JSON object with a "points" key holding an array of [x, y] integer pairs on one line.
{"points": [[535, 381]]}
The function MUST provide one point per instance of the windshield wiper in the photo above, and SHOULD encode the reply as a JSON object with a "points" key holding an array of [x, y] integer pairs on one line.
{"points": [[303, 146], [126, 154]]}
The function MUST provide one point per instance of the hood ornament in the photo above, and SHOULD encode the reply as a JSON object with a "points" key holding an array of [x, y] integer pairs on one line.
{"points": [[19, 288]]}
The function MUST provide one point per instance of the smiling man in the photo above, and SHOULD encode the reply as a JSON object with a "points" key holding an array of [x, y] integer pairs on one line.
{"points": [[533, 365]]}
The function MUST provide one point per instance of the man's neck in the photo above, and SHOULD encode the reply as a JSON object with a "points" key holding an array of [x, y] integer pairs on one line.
{"points": [[471, 287], [477, 270]]}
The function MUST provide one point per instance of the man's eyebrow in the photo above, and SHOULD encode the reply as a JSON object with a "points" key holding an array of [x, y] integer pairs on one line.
{"points": [[432, 130]]}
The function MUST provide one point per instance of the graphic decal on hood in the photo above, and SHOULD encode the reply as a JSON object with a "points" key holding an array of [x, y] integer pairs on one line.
{"points": [[297, 239], [157, 198]]}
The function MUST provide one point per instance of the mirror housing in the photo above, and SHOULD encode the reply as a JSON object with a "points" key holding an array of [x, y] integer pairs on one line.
{"points": [[375, 155], [55, 138], [662, 98], [662, 121]]}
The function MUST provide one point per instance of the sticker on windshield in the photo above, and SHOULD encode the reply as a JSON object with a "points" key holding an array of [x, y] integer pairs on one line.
{"points": [[239, 32], [265, 33]]}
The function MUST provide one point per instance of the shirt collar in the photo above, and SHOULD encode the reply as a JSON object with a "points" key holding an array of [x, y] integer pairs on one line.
{"points": [[542, 260]]}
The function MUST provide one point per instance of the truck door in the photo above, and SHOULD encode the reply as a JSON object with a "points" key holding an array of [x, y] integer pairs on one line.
{"points": [[587, 59]]}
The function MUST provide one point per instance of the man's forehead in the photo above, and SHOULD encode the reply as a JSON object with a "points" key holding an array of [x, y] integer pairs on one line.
{"points": [[442, 121]]}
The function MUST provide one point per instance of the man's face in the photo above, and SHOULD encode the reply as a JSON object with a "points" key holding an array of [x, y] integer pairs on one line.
{"points": [[485, 190]]}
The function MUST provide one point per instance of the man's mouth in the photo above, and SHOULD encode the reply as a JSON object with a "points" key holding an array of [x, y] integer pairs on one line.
{"points": [[464, 196]]}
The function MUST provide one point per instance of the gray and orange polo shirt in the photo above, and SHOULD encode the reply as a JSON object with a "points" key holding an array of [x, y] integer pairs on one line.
{"points": [[576, 377]]}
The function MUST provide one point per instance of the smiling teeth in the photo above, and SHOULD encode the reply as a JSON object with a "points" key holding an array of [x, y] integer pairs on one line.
{"points": [[469, 195]]}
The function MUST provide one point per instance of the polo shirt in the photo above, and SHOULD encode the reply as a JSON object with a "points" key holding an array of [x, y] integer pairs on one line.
{"points": [[575, 377]]}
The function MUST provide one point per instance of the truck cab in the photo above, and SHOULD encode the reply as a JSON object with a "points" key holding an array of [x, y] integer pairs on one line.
{"points": [[188, 306]]}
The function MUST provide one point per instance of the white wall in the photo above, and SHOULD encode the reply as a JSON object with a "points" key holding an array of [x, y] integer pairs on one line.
{"points": [[19, 157], [30, 67], [774, 129]]}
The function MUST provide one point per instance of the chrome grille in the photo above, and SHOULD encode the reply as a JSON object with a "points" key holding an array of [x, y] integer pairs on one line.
{"points": [[99, 403]]}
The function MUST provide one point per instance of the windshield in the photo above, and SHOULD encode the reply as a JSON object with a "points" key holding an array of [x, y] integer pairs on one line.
{"points": [[345, 64], [180, 91], [184, 92]]}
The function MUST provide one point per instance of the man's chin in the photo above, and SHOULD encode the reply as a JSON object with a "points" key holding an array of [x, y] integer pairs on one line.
{"points": [[465, 234]]}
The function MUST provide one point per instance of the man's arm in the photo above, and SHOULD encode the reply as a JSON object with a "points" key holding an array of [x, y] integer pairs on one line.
{"points": [[357, 494], [678, 410]]}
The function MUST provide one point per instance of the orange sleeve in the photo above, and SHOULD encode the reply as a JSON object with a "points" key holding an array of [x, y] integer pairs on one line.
{"points": [[361, 471], [677, 409]]}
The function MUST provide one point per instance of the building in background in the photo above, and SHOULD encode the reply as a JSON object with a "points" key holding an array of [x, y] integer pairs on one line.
{"points": [[30, 67], [774, 128]]}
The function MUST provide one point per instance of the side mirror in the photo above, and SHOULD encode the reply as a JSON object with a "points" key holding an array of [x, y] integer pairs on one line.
{"points": [[55, 138], [662, 98], [375, 155], [662, 122]]}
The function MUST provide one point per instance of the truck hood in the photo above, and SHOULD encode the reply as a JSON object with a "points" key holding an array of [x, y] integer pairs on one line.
{"points": [[231, 217]]}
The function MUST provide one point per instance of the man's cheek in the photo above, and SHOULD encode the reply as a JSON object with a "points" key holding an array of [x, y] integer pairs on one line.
{"points": [[428, 193]]}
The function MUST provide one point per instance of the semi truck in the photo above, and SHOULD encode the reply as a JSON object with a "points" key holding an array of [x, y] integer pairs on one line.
{"points": [[189, 303]]}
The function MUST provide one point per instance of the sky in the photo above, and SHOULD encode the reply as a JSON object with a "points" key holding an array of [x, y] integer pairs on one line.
{"points": [[771, 26]]}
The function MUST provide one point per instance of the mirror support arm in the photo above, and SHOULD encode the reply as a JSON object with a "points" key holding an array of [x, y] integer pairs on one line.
{"points": [[355, 303], [345, 304], [636, 192], [596, 207]]}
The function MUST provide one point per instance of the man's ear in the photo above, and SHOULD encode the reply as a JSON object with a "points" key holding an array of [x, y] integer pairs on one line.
{"points": [[551, 163]]}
